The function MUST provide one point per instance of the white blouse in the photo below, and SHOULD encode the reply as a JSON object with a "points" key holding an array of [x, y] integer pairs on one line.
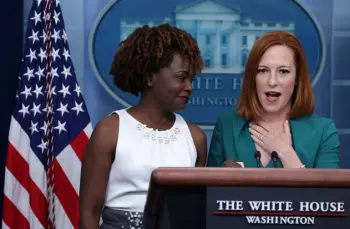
{"points": [[139, 151]]}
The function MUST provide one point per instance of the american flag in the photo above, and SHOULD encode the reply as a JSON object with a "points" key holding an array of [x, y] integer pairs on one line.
{"points": [[49, 130]]}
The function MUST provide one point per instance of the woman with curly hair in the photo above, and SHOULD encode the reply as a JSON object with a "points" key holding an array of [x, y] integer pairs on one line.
{"points": [[159, 63]]}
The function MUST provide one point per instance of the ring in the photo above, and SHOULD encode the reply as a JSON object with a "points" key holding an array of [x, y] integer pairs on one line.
{"points": [[261, 137]]}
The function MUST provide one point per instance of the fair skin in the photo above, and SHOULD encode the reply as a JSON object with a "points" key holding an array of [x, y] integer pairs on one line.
{"points": [[275, 82]]}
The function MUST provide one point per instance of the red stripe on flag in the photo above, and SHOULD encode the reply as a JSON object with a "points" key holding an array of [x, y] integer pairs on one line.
{"points": [[66, 194], [38, 203], [18, 166], [12, 217], [79, 144]]}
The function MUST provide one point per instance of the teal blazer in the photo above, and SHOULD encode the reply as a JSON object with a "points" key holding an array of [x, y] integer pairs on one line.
{"points": [[315, 140]]}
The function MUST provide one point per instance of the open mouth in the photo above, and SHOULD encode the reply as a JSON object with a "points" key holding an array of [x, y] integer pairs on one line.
{"points": [[273, 94]]}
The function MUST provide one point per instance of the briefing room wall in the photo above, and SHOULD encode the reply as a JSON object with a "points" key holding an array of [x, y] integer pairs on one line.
{"points": [[340, 109], [331, 89]]}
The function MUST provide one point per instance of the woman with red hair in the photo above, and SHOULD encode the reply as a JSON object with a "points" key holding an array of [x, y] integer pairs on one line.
{"points": [[274, 124]]}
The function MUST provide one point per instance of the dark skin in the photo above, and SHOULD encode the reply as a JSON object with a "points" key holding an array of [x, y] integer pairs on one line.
{"points": [[167, 92]]}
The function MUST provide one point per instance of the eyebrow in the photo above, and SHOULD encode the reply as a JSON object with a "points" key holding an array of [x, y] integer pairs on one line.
{"points": [[181, 71], [282, 66]]}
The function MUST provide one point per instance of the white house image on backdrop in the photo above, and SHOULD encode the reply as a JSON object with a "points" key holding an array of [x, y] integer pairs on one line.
{"points": [[224, 39]]}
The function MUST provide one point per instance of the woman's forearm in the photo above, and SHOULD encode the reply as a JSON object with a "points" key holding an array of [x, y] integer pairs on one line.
{"points": [[290, 159], [89, 220]]}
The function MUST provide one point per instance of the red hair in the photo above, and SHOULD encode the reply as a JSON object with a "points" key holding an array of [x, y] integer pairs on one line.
{"points": [[303, 102]]}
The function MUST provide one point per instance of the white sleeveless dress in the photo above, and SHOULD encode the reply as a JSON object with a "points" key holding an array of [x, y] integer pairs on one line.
{"points": [[139, 151]]}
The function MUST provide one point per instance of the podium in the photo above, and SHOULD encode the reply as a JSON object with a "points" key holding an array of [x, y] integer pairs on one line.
{"points": [[220, 198]]}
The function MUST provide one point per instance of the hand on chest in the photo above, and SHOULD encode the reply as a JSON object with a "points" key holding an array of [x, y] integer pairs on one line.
{"points": [[271, 138]]}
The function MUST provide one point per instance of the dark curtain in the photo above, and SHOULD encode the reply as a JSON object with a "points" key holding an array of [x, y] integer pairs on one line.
{"points": [[11, 38]]}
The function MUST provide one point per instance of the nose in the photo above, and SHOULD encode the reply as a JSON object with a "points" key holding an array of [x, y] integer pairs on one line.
{"points": [[188, 86], [272, 79]]}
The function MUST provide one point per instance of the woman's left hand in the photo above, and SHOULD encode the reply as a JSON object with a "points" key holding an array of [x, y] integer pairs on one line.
{"points": [[270, 141]]}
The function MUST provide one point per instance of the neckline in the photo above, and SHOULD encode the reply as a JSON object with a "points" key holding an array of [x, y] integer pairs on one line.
{"points": [[144, 126]]}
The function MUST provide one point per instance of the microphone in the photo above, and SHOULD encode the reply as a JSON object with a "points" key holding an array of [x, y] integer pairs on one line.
{"points": [[257, 157], [274, 157]]}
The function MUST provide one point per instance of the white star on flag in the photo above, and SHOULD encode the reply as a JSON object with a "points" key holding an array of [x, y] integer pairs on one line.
{"points": [[26, 92], [34, 36], [36, 18], [60, 127], [78, 108]]}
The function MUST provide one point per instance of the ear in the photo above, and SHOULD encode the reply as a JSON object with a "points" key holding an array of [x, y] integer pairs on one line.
{"points": [[150, 79]]}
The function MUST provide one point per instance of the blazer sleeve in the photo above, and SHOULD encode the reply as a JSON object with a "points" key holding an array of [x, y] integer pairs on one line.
{"points": [[216, 149], [328, 153]]}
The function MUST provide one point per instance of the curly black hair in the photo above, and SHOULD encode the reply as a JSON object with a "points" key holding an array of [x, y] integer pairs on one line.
{"points": [[148, 49]]}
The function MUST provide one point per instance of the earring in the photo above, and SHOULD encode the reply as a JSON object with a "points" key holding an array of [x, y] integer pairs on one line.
{"points": [[149, 83]]}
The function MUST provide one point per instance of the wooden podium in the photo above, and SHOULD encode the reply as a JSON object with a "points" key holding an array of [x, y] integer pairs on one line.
{"points": [[208, 198]]}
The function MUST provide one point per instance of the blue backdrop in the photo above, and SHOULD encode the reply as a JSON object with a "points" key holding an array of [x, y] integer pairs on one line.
{"points": [[225, 31]]}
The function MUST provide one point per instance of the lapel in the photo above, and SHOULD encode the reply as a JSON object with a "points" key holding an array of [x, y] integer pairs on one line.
{"points": [[304, 140], [244, 147]]}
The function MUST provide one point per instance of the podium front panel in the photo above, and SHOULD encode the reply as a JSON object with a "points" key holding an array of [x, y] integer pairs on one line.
{"points": [[182, 209], [273, 207]]}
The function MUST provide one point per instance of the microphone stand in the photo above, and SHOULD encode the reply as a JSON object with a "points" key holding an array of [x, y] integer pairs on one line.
{"points": [[274, 157], [257, 157]]}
